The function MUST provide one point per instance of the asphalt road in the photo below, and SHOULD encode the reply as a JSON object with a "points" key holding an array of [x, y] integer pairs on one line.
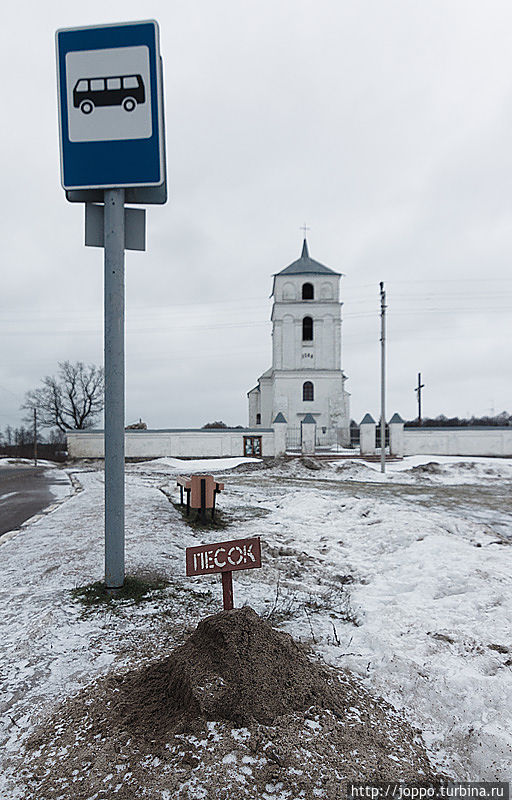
{"points": [[24, 491]]}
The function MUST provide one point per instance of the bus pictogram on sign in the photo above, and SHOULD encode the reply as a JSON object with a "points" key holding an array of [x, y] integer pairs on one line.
{"points": [[117, 90]]}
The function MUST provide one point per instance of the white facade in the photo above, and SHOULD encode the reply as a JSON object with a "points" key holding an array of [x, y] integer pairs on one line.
{"points": [[306, 375], [476, 441], [485, 441], [177, 443]]}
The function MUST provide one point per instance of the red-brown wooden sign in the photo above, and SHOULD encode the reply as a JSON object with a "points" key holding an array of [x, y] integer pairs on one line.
{"points": [[224, 557]]}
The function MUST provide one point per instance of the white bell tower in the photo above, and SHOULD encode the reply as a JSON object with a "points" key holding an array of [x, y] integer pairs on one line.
{"points": [[306, 375]]}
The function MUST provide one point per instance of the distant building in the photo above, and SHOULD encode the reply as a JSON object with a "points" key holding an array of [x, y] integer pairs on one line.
{"points": [[306, 375]]}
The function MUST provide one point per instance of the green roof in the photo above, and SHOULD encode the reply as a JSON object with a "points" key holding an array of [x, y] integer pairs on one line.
{"points": [[307, 266]]}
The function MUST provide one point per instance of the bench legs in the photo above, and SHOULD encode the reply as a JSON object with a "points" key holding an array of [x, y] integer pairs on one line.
{"points": [[203, 498], [201, 511]]}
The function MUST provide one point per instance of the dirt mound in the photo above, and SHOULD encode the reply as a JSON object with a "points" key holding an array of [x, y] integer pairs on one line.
{"points": [[354, 468], [431, 468], [310, 463], [234, 667], [238, 708]]}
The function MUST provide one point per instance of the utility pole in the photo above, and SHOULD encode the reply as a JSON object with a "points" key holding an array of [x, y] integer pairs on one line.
{"points": [[35, 437], [382, 378], [418, 389]]}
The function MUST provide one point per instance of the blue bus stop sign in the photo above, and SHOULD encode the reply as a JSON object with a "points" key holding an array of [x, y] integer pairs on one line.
{"points": [[110, 106]]}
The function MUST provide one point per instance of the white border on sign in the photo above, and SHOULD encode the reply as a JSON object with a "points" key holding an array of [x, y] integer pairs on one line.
{"points": [[159, 86]]}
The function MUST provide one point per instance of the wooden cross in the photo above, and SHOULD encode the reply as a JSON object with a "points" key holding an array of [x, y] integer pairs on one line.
{"points": [[418, 389]]}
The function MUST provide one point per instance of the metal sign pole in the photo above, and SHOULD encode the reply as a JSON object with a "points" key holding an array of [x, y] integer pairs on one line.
{"points": [[114, 387], [382, 378]]}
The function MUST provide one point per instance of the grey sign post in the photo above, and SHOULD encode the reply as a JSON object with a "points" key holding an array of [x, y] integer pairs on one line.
{"points": [[114, 387], [112, 150]]}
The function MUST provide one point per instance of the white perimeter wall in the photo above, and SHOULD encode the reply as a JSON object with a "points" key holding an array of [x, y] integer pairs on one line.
{"points": [[157, 444], [458, 441]]}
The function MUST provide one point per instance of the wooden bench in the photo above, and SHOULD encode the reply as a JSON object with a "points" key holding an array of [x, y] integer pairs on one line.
{"points": [[201, 491]]}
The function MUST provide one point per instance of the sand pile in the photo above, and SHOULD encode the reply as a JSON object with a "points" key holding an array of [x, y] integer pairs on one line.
{"points": [[238, 711], [431, 468], [234, 667], [353, 469]]}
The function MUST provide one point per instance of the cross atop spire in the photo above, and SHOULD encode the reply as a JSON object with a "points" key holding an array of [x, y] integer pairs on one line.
{"points": [[305, 229]]}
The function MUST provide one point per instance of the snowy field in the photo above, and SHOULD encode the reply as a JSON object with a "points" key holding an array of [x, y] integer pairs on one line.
{"points": [[404, 579]]}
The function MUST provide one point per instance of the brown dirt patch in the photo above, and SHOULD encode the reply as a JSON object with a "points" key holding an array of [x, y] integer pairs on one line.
{"points": [[238, 711]]}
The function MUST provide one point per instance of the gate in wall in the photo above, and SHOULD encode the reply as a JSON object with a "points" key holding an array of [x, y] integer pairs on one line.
{"points": [[355, 435], [325, 438], [377, 436], [293, 438]]}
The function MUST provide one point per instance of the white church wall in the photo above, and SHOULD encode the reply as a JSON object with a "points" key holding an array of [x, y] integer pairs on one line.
{"points": [[277, 344], [211, 443], [286, 358], [289, 291], [288, 346], [308, 433], [458, 441], [327, 289], [254, 406], [289, 385], [266, 403]]}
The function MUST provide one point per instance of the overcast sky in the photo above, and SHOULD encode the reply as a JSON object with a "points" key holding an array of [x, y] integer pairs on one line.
{"points": [[385, 126]]}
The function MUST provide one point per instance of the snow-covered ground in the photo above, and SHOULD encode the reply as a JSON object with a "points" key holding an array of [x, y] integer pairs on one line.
{"points": [[449, 470], [415, 600]]}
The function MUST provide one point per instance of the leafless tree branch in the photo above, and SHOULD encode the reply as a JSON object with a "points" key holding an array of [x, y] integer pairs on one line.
{"points": [[71, 400]]}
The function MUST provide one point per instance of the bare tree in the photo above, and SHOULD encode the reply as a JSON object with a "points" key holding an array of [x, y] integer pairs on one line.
{"points": [[71, 400]]}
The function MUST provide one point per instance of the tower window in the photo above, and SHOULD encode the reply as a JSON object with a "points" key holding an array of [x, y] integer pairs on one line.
{"points": [[308, 392], [258, 419], [308, 292], [307, 329]]}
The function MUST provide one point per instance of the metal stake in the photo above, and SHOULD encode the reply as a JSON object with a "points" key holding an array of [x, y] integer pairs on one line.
{"points": [[114, 388], [227, 590], [35, 437]]}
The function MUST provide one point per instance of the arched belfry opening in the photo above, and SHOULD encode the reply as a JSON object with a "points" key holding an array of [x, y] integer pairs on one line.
{"points": [[307, 329], [308, 291], [308, 391]]}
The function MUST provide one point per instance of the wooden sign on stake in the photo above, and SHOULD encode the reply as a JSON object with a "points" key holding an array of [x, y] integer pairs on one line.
{"points": [[224, 557]]}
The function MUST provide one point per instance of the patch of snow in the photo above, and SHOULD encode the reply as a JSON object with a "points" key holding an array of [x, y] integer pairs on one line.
{"points": [[240, 734], [413, 469], [416, 602], [180, 466]]}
